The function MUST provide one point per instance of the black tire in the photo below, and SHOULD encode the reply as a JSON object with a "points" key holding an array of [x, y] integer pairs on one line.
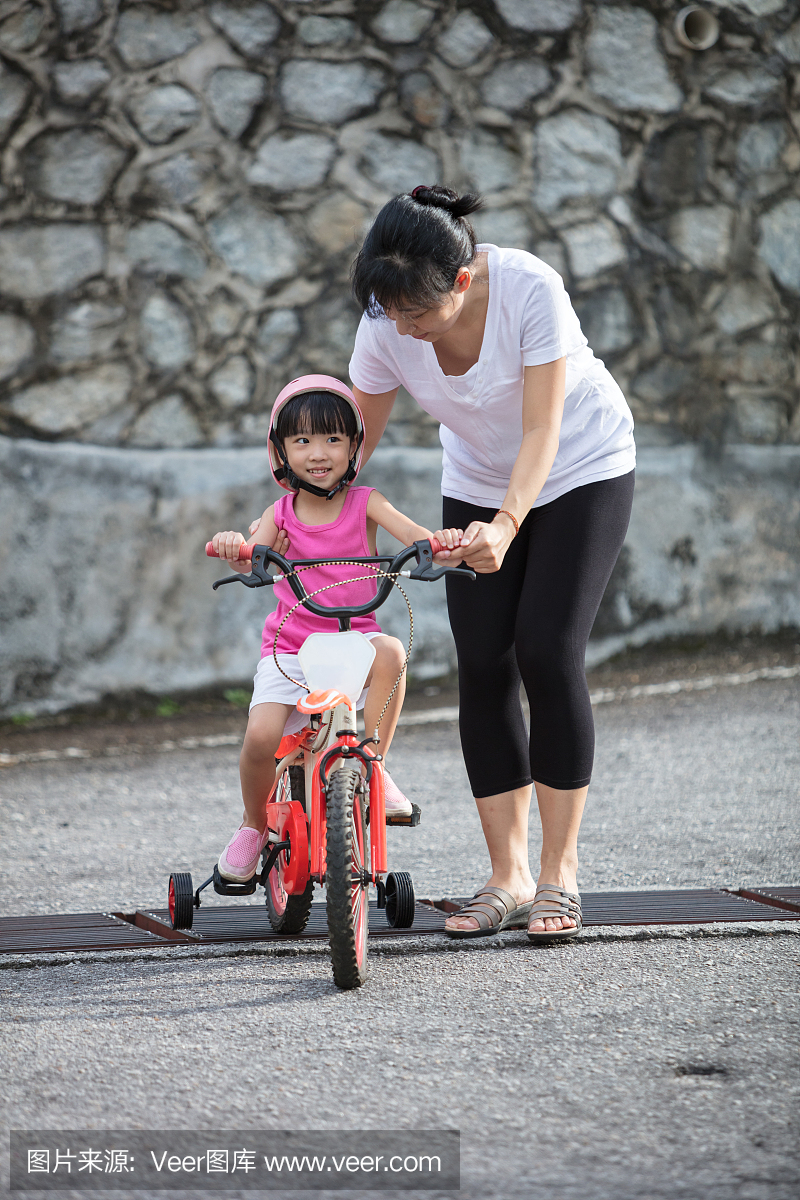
{"points": [[347, 894], [181, 900], [289, 914], [400, 901]]}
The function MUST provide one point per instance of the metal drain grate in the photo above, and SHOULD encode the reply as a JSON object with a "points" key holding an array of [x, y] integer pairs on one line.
{"points": [[249, 922]]}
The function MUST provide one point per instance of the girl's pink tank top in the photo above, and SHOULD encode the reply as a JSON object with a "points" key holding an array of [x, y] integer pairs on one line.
{"points": [[345, 537]]}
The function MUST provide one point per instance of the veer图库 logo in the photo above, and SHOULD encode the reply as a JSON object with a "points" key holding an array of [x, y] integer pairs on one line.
{"points": [[217, 1160]]}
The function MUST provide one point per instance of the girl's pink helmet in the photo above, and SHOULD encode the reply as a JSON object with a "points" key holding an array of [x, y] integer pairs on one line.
{"points": [[281, 472]]}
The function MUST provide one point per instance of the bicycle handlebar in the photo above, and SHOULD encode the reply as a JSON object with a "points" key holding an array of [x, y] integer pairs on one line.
{"points": [[246, 552], [261, 556]]}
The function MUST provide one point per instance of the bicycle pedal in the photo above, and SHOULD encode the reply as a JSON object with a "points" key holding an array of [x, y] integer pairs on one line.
{"points": [[407, 819], [225, 887]]}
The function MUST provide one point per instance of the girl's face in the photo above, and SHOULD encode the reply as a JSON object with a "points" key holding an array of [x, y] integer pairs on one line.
{"points": [[430, 324], [319, 458]]}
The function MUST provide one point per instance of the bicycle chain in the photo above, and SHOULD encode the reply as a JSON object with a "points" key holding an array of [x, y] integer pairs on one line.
{"points": [[393, 575]]}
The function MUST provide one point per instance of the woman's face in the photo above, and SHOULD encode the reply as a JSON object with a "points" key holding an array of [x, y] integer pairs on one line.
{"points": [[430, 324]]}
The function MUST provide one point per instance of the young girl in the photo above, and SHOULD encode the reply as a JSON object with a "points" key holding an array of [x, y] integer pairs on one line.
{"points": [[315, 446]]}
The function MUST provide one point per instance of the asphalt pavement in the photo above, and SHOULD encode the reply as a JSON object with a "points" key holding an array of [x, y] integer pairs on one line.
{"points": [[655, 1064]]}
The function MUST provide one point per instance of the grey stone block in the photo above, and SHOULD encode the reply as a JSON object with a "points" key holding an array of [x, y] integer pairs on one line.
{"points": [[676, 165], [337, 222], [594, 247], [761, 419], [702, 234], [161, 113], [607, 320], [86, 330], [40, 260], [325, 31], [147, 35], [398, 164], [168, 423], [223, 314], [251, 27], [513, 83], [577, 156], [626, 64], [77, 15], [178, 180], [402, 21], [503, 227], [254, 243], [68, 403], [760, 146], [464, 41], [166, 333], [158, 249], [14, 91], [21, 30], [77, 166], [788, 44], [744, 305], [742, 86], [423, 101], [540, 16], [232, 382], [288, 161], [79, 82], [488, 163], [17, 341], [327, 91], [780, 242], [277, 333], [664, 380], [232, 96]]}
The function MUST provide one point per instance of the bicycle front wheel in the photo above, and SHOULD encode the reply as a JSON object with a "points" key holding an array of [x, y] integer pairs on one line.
{"points": [[345, 877]]}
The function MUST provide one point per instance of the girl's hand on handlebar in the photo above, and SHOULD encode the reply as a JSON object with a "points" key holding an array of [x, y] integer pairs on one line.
{"points": [[484, 545], [227, 546], [450, 539]]}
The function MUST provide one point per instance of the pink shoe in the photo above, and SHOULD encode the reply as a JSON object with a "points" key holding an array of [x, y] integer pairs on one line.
{"points": [[239, 859], [396, 803]]}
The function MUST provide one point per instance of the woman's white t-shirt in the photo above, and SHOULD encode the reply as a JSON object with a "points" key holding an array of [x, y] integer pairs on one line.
{"points": [[529, 321]]}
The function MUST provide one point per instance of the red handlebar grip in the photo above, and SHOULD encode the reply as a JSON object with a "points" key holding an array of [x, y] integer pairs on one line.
{"points": [[245, 552], [436, 546]]}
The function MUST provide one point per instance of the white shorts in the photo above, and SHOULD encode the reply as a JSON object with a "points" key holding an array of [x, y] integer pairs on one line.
{"points": [[270, 687]]}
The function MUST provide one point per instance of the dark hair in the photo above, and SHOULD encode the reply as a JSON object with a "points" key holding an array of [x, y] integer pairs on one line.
{"points": [[412, 254], [316, 412]]}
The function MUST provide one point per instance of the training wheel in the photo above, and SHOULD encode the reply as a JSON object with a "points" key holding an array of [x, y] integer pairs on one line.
{"points": [[181, 900], [399, 900]]}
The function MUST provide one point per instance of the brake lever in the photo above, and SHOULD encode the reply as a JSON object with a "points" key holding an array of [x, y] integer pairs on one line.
{"points": [[250, 581], [427, 570]]}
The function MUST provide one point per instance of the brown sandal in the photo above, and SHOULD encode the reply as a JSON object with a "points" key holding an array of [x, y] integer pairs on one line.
{"points": [[553, 901], [494, 909]]}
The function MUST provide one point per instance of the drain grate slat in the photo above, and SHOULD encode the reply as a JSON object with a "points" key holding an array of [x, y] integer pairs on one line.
{"points": [[249, 922]]}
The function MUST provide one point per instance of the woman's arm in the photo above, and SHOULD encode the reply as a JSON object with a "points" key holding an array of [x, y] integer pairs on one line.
{"points": [[484, 545], [376, 410]]}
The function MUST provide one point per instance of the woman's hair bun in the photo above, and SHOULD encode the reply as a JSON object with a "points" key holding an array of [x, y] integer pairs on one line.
{"points": [[436, 196]]}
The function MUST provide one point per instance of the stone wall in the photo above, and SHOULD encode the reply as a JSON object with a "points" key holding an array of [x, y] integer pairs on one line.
{"points": [[184, 186]]}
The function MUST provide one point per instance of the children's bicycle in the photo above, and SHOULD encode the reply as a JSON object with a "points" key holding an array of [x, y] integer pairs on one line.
{"points": [[326, 811]]}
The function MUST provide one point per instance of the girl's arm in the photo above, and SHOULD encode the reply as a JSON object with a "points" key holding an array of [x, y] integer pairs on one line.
{"points": [[404, 529], [484, 545], [265, 533], [377, 410]]}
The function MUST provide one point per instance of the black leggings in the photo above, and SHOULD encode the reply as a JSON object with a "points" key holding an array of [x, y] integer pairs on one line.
{"points": [[530, 621]]}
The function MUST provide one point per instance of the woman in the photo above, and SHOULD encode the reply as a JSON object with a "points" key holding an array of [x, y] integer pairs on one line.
{"points": [[538, 470]]}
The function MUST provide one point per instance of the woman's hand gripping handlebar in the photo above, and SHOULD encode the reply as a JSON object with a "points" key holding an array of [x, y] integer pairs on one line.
{"points": [[261, 556]]}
